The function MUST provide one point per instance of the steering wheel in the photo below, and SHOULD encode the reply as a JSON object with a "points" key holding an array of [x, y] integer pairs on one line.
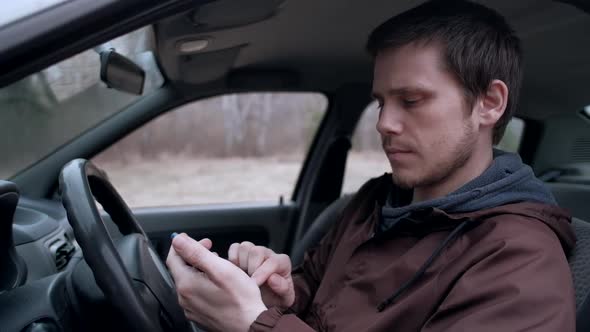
{"points": [[130, 274]]}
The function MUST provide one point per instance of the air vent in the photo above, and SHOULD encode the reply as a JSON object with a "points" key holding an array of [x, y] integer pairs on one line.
{"points": [[62, 251], [581, 150]]}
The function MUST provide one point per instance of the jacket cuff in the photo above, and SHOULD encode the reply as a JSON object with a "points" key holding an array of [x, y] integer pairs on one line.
{"points": [[266, 321]]}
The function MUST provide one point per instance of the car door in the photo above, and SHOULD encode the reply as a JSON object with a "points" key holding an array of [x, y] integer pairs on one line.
{"points": [[224, 168]]}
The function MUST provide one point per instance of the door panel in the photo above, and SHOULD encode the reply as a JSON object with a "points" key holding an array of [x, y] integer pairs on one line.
{"points": [[262, 224]]}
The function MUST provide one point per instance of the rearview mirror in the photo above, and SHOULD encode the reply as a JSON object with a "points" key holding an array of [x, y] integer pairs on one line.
{"points": [[120, 73]]}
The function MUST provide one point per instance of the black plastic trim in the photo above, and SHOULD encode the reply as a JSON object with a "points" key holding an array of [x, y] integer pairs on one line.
{"points": [[531, 137]]}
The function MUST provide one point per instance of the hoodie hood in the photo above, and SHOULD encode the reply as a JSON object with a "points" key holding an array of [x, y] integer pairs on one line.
{"points": [[554, 217], [508, 180]]}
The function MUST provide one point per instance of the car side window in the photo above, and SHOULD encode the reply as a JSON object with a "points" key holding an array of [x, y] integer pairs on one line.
{"points": [[512, 136], [367, 160], [232, 148]]}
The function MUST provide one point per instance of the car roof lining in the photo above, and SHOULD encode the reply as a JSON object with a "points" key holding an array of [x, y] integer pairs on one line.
{"points": [[553, 34]]}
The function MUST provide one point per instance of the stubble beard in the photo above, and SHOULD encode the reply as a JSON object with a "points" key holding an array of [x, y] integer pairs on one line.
{"points": [[444, 168]]}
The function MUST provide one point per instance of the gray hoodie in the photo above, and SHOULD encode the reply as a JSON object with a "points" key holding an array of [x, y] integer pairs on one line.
{"points": [[507, 180]]}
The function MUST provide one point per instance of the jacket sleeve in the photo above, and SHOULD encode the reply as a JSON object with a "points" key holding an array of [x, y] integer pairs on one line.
{"points": [[508, 290], [307, 277], [306, 280], [275, 320]]}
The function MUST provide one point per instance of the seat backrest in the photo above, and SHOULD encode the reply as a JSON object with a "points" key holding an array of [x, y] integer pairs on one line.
{"points": [[319, 228], [573, 197], [580, 265]]}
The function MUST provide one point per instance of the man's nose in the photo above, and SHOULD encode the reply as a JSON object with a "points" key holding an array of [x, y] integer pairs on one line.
{"points": [[390, 122]]}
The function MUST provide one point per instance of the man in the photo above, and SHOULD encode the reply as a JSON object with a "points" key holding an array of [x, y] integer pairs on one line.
{"points": [[460, 237]]}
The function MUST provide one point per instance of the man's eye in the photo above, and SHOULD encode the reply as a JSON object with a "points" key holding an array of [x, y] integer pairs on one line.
{"points": [[410, 102]]}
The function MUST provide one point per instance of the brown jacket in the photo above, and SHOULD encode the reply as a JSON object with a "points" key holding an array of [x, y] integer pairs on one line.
{"points": [[505, 270]]}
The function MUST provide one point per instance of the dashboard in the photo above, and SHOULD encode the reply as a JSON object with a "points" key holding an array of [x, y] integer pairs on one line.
{"points": [[43, 238], [38, 250]]}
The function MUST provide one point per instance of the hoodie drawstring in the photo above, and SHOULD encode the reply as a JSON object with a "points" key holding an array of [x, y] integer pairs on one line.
{"points": [[452, 236]]}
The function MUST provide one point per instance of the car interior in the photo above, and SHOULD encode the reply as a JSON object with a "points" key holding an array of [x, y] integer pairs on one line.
{"points": [[68, 265]]}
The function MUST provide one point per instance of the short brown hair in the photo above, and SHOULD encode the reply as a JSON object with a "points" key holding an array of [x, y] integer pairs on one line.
{"points": [[478, 46]]}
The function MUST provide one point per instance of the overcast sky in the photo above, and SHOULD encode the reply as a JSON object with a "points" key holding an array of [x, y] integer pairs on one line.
{"points": [[13, 10]]}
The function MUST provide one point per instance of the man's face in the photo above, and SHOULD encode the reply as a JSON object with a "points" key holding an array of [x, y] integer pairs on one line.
{"points": [[426, 126]]}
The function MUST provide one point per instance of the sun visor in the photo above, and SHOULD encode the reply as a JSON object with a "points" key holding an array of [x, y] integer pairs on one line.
{"points": [[206, 66], [193, 48], [223, 14]]}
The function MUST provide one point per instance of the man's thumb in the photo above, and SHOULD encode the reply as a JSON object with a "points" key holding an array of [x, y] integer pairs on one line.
{"points": [[278, 284], [193, 253]]}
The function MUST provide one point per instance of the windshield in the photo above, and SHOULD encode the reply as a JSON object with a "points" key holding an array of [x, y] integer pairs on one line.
{"points": [[47, 109], [15, 10]]}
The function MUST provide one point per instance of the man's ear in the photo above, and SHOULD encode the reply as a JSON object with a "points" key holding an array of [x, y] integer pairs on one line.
{"points": [[493, 103]]}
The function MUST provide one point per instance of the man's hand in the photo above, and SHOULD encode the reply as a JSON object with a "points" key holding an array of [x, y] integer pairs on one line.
{"points": [[212, 291], [271, 271]]}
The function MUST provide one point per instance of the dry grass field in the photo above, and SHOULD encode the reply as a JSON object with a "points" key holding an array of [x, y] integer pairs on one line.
{"points": [[178, 180]]}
